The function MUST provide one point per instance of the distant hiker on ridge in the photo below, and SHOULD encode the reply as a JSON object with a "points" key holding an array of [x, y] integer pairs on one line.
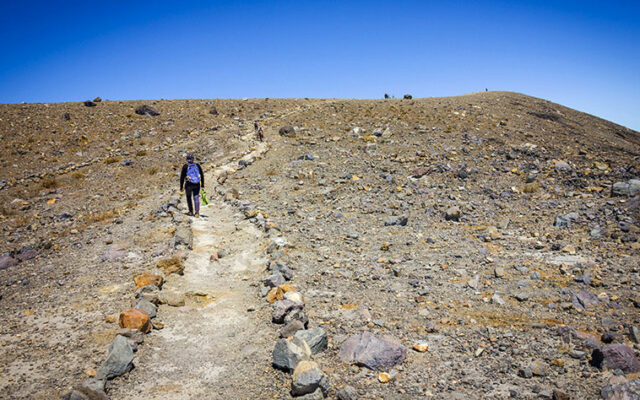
{"points": [[192, 173]]}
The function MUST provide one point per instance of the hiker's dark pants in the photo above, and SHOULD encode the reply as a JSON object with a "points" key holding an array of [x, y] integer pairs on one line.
{"points": [[193, 191]]}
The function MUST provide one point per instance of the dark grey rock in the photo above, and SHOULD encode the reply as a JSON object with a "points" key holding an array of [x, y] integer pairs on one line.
{"points": [[276, 279], [119, 360], [147, 110], [308, 378], [316, 338], [615, 356], [291, 328], [283, 270], [213, 111], [402, 221], [89, 103], [287, 353], [283, 307], [297, 315], [287, 131], [366, 349], [634, 333], [151, 293]]}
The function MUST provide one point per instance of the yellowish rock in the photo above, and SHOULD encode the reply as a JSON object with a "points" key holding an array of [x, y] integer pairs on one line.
{"points": [[421, 348], [384, 377]]}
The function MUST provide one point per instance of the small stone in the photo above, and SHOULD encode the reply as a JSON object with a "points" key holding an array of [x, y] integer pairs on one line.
{"points": [[499, 272], [634, 333], [172, 265], [283, 270], [278, 293], [135, 319], [6, 261], [401, 221], [538, 368], [496, 299], [276, 279], [559, 395], [452, 214], [525, 373], [622, 391], [150, 293], [384, 377], [421, 348]]}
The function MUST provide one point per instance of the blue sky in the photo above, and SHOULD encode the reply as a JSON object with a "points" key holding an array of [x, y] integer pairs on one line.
{"points": [[583, 54]]}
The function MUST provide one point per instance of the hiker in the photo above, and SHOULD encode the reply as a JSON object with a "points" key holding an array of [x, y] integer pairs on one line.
{"points": [[255, 126], [192, 173], [260, 135]]}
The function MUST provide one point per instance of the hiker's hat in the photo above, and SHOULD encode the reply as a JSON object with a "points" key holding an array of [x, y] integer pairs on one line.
{"points": [[189, 157]]}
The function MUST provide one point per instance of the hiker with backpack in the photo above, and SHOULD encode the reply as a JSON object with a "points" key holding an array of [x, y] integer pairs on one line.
{"points": [[260, 135], [191, 179]]}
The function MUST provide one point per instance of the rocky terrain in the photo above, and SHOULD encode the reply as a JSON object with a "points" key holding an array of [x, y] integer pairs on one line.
{"points": [[489, 241]]}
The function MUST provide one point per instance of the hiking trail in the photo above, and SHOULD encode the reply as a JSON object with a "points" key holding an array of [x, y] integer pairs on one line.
{"points": [[218, 344]]}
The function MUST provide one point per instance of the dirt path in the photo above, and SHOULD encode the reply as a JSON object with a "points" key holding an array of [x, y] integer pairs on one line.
{"points": [[218, 345]]}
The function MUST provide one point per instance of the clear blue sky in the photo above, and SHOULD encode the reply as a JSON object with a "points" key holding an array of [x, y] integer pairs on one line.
{"points": [[582, 54]]}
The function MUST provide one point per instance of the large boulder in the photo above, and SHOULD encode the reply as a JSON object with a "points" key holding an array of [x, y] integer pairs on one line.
{"points": [[366, 349], [287, 131], [119, 360], [615, 356], [147, 110]]}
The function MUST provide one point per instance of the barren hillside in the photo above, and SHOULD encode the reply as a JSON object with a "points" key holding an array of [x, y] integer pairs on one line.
{"points": [[485, 227]]}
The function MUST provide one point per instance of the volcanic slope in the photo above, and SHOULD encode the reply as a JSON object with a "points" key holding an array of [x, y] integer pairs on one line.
{"points": [[491, 289]]}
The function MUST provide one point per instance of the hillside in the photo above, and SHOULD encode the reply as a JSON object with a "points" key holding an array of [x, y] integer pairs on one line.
{"points": [[514, 260]]}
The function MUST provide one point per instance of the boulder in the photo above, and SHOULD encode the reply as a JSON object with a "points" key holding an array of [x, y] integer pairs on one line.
{"points": [[119, 360], [287, 131], [348, 393], [287, 353], [148, 279], [629, 188], [316, 338], [584, 300], [307, 378], [97, 100], [89, 103], [213, 110], [297, 315], [407, 97], [171, 298], [282, 308], [615, 356], [135, 319], [147, 110], [366, 349]]}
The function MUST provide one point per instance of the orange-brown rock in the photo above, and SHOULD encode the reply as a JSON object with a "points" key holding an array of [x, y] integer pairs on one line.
{"points": [[172, 265], [277, 293], [148, 279], [135, 319]]}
